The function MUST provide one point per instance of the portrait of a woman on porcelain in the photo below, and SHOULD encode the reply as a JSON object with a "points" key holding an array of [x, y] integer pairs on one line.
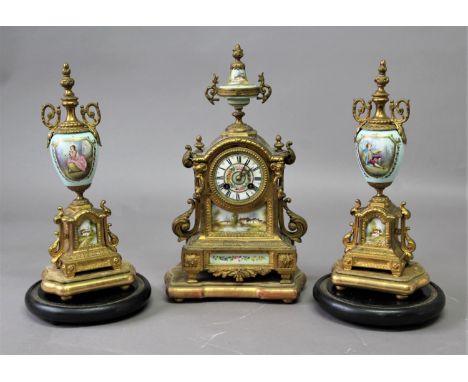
{"points": [[74, 158]]}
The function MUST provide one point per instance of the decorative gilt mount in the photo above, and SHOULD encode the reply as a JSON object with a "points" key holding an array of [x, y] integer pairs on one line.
{"points": [[51, 115], [399, 110]]}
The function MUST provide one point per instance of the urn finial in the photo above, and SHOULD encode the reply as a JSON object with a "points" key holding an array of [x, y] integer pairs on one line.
{"points": [[67, 82], [380, 96], [69, 100], [237, 53]]}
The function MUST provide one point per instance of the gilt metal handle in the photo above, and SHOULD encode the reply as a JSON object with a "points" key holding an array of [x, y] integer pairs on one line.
{"points": [[265, 90], [212, 91]]}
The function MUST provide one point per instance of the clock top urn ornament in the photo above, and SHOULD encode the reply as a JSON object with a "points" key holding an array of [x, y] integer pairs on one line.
{"points": [[238, 245], [87, 281], [376, 282]]}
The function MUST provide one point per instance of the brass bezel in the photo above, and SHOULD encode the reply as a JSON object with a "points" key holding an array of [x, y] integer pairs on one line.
{"points": [[227, 203]]}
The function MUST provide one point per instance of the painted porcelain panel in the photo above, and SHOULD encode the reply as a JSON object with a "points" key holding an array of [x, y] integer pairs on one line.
{"points": [[375, 232], [236, 259], [245, 222], [87, 234], [379, 155], [74, 157]]}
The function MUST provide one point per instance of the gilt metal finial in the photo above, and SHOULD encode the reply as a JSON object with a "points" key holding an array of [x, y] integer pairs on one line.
{"points": [[278, 144], [69, 100], [382, 67], [67, 82], [382, 80], [237, 53], [380, 96], [199, 145], [51, 115]]}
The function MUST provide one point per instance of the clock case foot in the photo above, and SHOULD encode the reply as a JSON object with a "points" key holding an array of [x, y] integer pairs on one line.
{"points": [[266, 287], [96, 307], [378, 309]]}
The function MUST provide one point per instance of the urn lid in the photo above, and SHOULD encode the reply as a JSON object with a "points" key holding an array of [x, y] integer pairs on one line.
{"points": [[380, 120], [90, 114], [238, 84], [238, 91]]}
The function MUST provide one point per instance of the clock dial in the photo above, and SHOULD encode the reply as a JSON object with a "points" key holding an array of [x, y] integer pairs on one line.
{"points": [[239, 177]]}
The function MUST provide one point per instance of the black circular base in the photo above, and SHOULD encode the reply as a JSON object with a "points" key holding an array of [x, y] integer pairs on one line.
{"points": [[100, 306], [371, 308]]}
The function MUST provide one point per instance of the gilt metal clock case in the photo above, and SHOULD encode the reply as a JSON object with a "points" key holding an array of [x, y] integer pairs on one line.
{"points": [[238, 232]]}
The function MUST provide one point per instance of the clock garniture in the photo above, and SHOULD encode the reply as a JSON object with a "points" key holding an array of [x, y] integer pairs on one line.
{"points": [[84, 254], [376, 282], [238, 245]]}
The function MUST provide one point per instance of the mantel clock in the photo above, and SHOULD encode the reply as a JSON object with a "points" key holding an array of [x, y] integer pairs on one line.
{"points": [[238, 244]]}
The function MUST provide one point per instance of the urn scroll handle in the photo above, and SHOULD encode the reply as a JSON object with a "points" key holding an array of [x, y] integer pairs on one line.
{"points": [[212, 91], [51, 117], [264, 89], [91, 116]]}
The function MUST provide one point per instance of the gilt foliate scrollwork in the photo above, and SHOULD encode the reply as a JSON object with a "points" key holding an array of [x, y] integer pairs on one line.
{"points": [[361, 112], [113, 240], [55, 249], [51, 117], [408, 245], [50, 112], [400, 112], [91, 116], [212, 91], [239, 274], [181, 224], [104, 208], [350, 238], [297, 226], [265, 90], [59, 216], [187, 158], [291, 158]]}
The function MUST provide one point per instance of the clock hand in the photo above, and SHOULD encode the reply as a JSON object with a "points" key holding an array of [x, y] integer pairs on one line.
{"points": [[239, 176]]}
